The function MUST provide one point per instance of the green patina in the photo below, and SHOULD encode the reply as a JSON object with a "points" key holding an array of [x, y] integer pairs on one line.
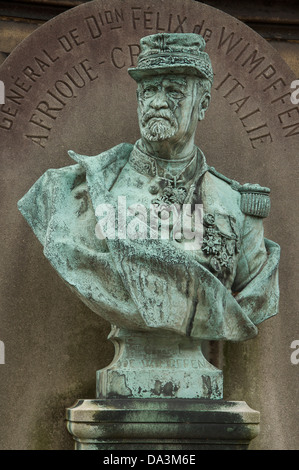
{"points": [[163, 295]]}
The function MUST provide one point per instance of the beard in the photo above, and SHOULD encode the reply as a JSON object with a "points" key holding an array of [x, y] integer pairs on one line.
{"points": [[157, 126]]}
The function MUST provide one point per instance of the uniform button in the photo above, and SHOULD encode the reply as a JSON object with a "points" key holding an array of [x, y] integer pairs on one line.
{"points": [[154, 189]]}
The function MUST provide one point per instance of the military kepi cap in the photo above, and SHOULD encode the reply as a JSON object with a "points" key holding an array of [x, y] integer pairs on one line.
{"points": [[167, 53]]}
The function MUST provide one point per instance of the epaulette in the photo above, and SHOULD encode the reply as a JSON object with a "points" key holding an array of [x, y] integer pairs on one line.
{"points": [[255, 199]]}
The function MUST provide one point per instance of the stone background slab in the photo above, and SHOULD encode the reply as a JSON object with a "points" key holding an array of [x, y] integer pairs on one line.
{"points": [[53, 343]]}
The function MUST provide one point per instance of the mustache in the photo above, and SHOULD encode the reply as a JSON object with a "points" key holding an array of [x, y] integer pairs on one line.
{"points": [[158, 114]]}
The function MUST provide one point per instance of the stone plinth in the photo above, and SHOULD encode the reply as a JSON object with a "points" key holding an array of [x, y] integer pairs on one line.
{"points": [[161, 424], [160, 364]]}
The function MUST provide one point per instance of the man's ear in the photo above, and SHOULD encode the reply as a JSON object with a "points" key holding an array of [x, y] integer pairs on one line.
{"points": [[203, 105]]}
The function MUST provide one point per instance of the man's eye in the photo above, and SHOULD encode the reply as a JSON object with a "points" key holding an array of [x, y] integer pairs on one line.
{"points": [[149, 92], [175, 94]]}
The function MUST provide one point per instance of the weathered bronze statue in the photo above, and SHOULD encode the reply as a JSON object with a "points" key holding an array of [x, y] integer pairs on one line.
{"points": [[101, 222]]}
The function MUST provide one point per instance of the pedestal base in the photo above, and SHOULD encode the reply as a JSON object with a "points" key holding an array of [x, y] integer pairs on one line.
{"points": [[162, 424], [155, 364]]}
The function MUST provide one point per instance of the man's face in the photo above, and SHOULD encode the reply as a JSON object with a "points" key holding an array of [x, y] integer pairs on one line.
{"points": [[168, 108]]}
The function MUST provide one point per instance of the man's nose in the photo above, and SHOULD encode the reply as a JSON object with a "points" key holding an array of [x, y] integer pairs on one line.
{"points": [[159, 101]]}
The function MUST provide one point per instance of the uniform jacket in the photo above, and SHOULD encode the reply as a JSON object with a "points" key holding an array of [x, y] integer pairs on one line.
{"points": [[221, 292]]}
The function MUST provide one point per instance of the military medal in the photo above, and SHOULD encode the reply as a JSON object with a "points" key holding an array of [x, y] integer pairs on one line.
{"points": [[168, 188]]}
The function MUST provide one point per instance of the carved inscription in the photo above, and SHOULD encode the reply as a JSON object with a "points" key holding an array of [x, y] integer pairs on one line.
{"points": [[146, 20], [265, 73], [125, 56], [48, 109], [250, 116], [168, 363], [107, 19], [22, 85]]}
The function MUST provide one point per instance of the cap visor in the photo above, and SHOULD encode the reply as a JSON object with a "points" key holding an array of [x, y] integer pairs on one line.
{"points": [[140, 73]]}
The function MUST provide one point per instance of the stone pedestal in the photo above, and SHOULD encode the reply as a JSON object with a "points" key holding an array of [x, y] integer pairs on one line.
{"points": [[158, 364], [162, 424]]}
